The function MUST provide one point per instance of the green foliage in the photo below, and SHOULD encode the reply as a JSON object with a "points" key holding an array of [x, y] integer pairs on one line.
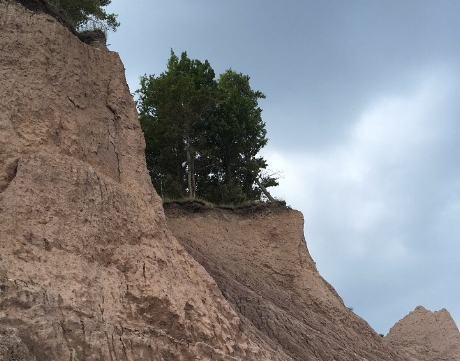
{"points": [[238, 134], [173, 108], [203, 135], [84, 14]]}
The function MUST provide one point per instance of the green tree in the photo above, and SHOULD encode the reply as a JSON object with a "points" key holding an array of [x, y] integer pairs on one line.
{"points": [[173, 108], [81, 12], [203, 136], [236, 135]]}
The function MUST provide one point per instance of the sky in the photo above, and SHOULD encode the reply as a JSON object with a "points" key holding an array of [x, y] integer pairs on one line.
{"points": [[362, 113]]}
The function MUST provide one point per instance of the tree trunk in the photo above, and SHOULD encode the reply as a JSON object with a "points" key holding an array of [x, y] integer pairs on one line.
{"points": [[190, 169], [264, 190]]}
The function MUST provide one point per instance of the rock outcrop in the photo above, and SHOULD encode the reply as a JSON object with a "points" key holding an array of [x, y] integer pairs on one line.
{"points": [[88, 268], [259, 259], [426, 336]]}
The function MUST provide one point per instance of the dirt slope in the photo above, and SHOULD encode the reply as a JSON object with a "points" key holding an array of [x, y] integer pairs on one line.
{"points": [[88, 268], [427, 336], [260, 261]]}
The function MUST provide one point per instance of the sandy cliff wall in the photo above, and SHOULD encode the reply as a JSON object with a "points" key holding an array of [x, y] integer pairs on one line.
{"points": [[260, 261], [427, 336], [88, 269]]}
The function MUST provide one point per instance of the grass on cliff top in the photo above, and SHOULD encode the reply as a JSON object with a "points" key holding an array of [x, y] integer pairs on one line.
{"points": [[198, 205]]}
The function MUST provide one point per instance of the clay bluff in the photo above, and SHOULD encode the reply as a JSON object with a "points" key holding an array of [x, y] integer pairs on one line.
{"points": [[93, 267]]}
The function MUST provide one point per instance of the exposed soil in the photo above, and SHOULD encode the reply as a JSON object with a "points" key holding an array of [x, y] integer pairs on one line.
{"points": [[427, 336], [260, 261]]}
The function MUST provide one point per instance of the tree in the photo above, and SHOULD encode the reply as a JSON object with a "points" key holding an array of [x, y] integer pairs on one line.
{"points": [[237, 134], [203, 136], [172, 108], [81, 12]]}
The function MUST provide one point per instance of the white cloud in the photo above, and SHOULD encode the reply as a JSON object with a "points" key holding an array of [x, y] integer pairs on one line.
{"points": [[369, 201], [382, 206]]}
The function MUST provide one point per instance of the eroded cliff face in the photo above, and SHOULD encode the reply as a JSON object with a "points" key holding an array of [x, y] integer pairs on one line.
{"points": [[88, 268], [427, 336], [260, 261]]}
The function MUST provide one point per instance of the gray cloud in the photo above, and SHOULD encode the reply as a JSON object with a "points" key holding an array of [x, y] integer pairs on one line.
{"points": [[362, 113]]}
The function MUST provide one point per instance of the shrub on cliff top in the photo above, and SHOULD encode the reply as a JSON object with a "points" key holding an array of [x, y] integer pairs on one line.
{"points": [[77, 15], [86, 14]]}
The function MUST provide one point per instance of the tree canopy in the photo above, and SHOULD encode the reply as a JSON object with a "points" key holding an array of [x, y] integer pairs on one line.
{"points": [[81, 12], [203, 134]]}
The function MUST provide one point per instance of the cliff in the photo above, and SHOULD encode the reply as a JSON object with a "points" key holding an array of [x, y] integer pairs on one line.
{"points": [[259, 259], [427, 336], [88, 268]]}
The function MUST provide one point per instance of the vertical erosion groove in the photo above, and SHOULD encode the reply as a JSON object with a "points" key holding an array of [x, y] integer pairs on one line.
{"points": [[10, 168]]}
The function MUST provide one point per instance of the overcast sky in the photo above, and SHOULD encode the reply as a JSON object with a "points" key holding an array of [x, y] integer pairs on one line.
{"points": [[363, 117]]}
